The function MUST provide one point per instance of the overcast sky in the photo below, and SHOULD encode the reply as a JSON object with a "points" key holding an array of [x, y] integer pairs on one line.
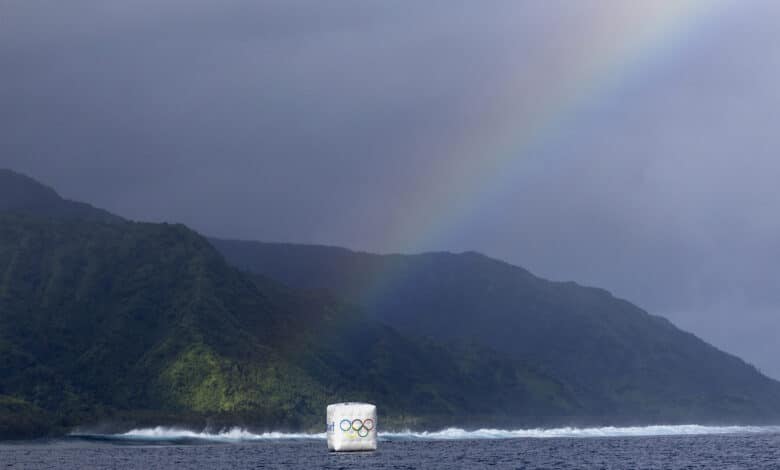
{"points": [[627, 145]]}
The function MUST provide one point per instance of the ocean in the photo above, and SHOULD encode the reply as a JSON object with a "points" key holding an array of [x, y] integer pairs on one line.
{"points": [[653, 447]]}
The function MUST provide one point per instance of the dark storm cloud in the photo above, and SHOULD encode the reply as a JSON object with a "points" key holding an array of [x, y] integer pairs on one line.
{"points": [[265, 95], [328, 122]]}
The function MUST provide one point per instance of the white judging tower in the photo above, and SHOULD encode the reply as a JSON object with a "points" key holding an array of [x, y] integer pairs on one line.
{"points": [[351, 427]]}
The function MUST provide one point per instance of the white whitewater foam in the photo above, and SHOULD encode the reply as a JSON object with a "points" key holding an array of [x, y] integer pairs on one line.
{"points": [[242, 435], [231, 435], [609, 431]]}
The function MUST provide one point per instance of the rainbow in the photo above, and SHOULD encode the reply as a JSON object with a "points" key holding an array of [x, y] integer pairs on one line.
{"points": [[529, 109]]}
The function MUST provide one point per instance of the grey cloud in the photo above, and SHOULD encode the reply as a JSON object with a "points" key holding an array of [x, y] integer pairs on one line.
{"points": [[334, 122]]}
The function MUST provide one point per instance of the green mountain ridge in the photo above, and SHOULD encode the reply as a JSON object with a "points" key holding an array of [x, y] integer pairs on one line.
{"points": [[619, 360], [21, 194], [106, 321], [116, 324]]}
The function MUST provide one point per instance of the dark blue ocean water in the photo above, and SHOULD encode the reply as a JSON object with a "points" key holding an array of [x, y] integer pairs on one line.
{"points": [[719, 451]]}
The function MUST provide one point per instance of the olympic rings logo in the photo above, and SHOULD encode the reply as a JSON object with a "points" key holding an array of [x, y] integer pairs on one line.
{"points": [[361, 426]]}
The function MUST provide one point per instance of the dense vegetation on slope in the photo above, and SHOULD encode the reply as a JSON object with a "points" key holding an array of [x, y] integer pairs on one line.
{"points": [[619, 360], [146, 323], [108, 321], [127, 317]]}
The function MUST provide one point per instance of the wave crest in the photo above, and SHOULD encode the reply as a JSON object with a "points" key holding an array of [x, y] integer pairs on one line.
{"points": [[572, 432], [161, 433]]}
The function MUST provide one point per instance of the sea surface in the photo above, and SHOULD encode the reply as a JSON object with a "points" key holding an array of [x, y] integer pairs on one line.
{"points": [[653, 447]]}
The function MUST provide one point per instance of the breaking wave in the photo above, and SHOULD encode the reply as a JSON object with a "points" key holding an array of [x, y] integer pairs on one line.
{"points": [[242, 435], [570, 432], [233, 434], [169, 434]]}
